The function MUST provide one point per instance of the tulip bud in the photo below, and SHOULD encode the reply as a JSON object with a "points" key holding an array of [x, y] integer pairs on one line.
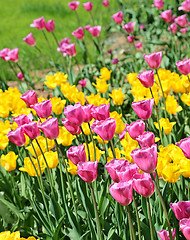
{"points": [[88, 6], [39, 23], [22, 119], [29, 39], [184, 145], [184, 66], [73, 5], [50, 25], [95, 31], [143, 184], [146, 78], [147, 139], [164, 235], [78, 33], [118, 17], [87, 171]]}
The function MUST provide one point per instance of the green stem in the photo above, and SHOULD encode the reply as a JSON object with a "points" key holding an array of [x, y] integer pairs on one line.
{"points": [[163, 206], [150, 219], [94, 147], [131, 223], [112, 148], [106, 157], [138, 220], [162, 93], [86, 143], [96, 213]]}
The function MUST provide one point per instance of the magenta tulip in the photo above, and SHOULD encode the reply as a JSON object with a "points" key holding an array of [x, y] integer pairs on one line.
{"points": [[74, 113], [122, 135], [95, 31], [70, 50], [146, 158], [87, 109], [87, 171], [50, 25], [143, 184], [184, 225], [39, 23], [158, 4], [154, 59], [106, 3], [118, 17], [115, 61], [166, 15], [181, 20], [83, 82], [30, 98], [147, 139], [147, 78], [142, 27], [184, 66], [138, 45], [17, 136], [12, 55], [164, 235], [126, 173], [4, 53], [122, 192], [31, 130], [184, 145], [102, 112], [185, 6], [77, 154], [29, 39], [22, 119], [43, 109], [173, 28], [88, 6], [87, 27], [78, 33], [129, 27], [20, 76], [130, 38], [50, 128], [72, 128], [183, 30], [143, 108], [104, 128], [181, 209], [73, 5], [136, 128]]}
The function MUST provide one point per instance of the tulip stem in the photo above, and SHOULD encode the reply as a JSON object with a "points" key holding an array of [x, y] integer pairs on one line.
{"points": [[94, 147], [112, 148], [138, 220], [86, 143], [96, 213], [105, 151], [163, 206], [165, 113], [48, 170], [131, 223], [150, 219], [188, 78]]}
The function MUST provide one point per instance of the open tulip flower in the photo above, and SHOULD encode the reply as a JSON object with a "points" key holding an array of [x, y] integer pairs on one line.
{"points": [[184, 225], [164, 235], [118, 17], [181, 209]]}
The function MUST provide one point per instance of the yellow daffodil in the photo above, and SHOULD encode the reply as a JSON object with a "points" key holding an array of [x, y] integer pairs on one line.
{"points": [[9, 161], [165, 124]]}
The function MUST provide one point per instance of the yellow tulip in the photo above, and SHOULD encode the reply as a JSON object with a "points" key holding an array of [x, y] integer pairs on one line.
{"points": [[9, 161]]}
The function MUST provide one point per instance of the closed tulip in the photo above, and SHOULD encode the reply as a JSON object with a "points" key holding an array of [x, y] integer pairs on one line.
{"points": [[83, 82], [102, 112], [164, 235], [95, 31], [87, 109], [173, 28], [50, 128], [88, 6], [129, 27], [17, 136], [77, 154], [73, 5], [138, 45], [30, 40], [147, 139], [184, 225], [43, 109], [30, 98], [184, 145], [12, 55], [143, 108], [184, 66], [122, 192], [74, 114], [146, 78], [127, 172], [31, 130], [185, 6], [39, 23], [22, 119], [154, 59], [118, 17], [20, 76], [158, 4], [50, 25], [106, 3], [4, 53], [130, 38], [78, 33], [181, 209], [87, 171], [146, 158], [143, 184], [181, 20], [135, 129], [71, 127], [8, 161], [70, 49], [166, 15]]}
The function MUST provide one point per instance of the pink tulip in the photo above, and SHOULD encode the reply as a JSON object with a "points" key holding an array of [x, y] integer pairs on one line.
{"points": [[20, 76], [136, 128], [126, 173], [88, 6], [73, 5], [12, 55], [87, 109], [173, 27], [115, 61], [104, 128], [77, 154], [158, 4], [50, 128], [181, 209], [147, 78], [43, 109], [113, 166], [106, 3], [87, 27], [184, 225], [122, 192], [184, 66], [129, 27], [87, 171], [110, 51], [63, 43], [142, 27], [17, 136], [95, 31], [143, 108], [138, 45], [118, 17], [184, 30], [181, 20], [184, 145], [22, 119], [185, 6], [29, 39], [164, 235], [4, 53], [50, 25], [143, 184], [130, 38], [78, 33], [39, 23], [83, 82], [154, 59], [70, 50], [122, 135], [31, 130], [30, 98], [72, 128], [102, 112], [146, 158], [147, 139], [166, 15], [74, 113]]}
